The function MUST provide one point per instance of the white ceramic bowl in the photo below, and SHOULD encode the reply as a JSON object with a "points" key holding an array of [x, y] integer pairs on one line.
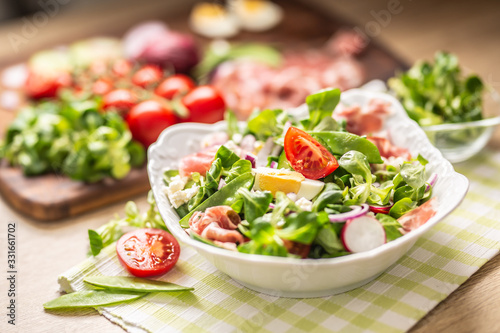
{"points": [[289, 277]]}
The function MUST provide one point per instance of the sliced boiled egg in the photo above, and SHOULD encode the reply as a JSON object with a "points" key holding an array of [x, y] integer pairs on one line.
{"points": [[256, 15], [213, 20], [287, 181], [310, 188]]}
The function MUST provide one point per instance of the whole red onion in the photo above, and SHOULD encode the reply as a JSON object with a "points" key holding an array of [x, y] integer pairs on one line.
{"points": [[162, 47], [172, 49]]}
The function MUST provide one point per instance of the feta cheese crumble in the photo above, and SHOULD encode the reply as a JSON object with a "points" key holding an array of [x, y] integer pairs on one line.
{"points": [[304, 204], [176, 193]]}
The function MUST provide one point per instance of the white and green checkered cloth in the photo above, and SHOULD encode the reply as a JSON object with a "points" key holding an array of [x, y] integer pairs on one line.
{"points": [[440, 261]]}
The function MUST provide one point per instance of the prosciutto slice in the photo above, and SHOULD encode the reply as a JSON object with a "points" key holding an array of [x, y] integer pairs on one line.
{"points": [[364, 120], [418, 216], [217, 223]]}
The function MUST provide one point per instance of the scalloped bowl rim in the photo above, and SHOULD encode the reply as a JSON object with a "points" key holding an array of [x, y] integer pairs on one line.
{"points": [[182, 236]]}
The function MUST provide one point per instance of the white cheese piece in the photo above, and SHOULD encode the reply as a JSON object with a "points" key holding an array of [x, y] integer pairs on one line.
{"points": [[176, 193], [304, 204]]}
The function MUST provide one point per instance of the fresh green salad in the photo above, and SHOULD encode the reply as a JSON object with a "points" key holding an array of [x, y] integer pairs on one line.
{"points": [[283, 186], [71, 137], [438, 93]]}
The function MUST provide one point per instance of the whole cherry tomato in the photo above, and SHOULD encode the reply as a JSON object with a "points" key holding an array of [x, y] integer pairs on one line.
{"points": [[147, 75], [148, 252], [102, 86], [46, 85], [308, 156], [148, 119], [174, 86], [121, 99], [121, 67], [205, 105]]}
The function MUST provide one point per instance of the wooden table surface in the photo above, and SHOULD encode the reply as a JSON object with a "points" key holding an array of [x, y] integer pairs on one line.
{"points": [[44, 250]]}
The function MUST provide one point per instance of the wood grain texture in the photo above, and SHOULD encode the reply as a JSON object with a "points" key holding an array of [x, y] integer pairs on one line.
{"points": [[52, 197], [468, 28]]}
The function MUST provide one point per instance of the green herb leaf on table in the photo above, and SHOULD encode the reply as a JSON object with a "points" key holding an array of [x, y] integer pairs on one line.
{"points": [[91, 299], [125, 283], [114, 229]]}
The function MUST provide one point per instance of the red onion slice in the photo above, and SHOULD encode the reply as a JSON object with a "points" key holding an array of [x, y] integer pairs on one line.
{"points": [[265, 152], [431, 181], [381, 209], [356, 211], [273, 165], [251, 158], [222, 183]]}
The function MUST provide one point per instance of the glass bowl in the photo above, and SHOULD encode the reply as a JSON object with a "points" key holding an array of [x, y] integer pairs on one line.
{"points": [[459, 142]]}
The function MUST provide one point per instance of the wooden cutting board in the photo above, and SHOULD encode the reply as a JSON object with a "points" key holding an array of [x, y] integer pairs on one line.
{"points": [[52, 197]]}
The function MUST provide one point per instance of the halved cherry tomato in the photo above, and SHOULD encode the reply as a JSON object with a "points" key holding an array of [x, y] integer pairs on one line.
{"points": [[148, 119], [148, 252], [46, 85], [102, 86], [174, 85], [147, 75], [121, 99], [308, 156], [205, 105]]}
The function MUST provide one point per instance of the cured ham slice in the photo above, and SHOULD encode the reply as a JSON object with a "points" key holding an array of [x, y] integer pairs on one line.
{"points": [[418, 216], [387, 149], [217, 223], [198, 162], [364, 120]]}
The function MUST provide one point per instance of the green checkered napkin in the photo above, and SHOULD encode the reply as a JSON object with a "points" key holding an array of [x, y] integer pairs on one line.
{"points": [[439, 262]]}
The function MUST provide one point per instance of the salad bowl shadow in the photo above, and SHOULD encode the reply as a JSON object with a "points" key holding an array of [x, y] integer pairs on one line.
{"points": [[304, 278]]}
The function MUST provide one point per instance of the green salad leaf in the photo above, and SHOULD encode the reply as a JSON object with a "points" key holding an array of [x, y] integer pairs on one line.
{"points": [[437, 93], [91, 299], [71, 138], [114, 229], [126, 283]]}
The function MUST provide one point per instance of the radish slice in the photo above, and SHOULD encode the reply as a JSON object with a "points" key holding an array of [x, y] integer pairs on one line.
{"points": [[431, 181], [362, 234], [356, 211]]}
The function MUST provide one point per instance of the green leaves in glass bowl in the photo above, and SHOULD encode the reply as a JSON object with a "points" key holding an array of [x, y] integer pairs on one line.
{"points": [[438, 93]]}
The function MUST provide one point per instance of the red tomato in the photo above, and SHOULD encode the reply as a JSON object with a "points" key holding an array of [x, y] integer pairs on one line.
{"points": [[308, 156], [102, 86], [205, 105], [148, 119], [148, 252], [121, 99], [147, 76], [46, 85], [175, 85], [121, 67]]}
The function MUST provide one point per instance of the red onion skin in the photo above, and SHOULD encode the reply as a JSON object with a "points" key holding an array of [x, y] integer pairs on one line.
{"points": [[251, 159], [171, 50], [141, 35], [339, 218], [431, 181], [380, 209]]}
